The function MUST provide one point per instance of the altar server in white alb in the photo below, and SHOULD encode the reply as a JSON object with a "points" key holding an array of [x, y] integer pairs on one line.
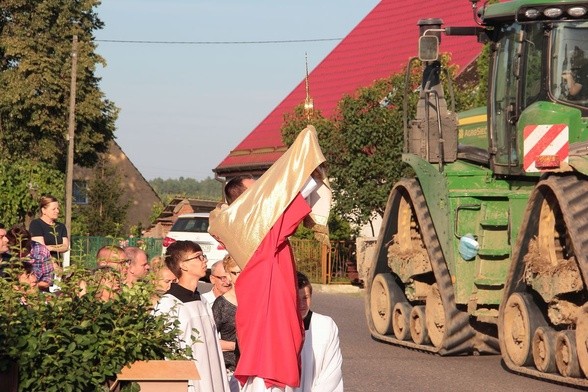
{"points": [[197, 329], [321, 356]]}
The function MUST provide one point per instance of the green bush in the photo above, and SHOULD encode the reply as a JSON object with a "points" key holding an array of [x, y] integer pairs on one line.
{"points": [[73, 342]]}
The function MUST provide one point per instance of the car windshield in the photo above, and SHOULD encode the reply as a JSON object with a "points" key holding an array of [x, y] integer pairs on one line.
{"points": [[569, 63], [192, 225]]}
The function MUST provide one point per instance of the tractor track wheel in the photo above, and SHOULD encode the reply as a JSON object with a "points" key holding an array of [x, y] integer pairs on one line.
{"points": [[383, 296], [418, 326], [401, 320], [566, 356], [544, 349], [521, 319], [435, 316], [582, 340]]}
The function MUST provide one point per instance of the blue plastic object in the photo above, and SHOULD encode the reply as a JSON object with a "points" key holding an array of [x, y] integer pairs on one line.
{"points": [[468, 247]]}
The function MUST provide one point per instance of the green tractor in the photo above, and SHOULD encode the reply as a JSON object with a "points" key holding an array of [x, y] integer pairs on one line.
{"points": [[485, 250]]}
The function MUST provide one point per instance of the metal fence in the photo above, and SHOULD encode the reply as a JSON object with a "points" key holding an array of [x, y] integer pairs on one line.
{"points": [[342, 263], [336, 265], [321, 264]]}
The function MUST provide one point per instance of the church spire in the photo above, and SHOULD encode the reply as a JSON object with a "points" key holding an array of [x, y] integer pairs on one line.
{"points": [[308, 104]]}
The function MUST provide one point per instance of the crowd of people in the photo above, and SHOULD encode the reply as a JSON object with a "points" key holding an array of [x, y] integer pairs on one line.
{"points": [[39, 248], [254, 330]]}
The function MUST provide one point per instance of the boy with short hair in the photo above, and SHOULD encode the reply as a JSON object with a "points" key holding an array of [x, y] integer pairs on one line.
{"points": [[321, 356], [182, 302]]}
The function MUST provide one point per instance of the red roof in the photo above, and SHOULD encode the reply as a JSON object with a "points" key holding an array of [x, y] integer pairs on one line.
{"points": [[378, 46]]}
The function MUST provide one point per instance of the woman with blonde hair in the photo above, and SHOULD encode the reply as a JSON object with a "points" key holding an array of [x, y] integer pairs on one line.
{"points": [[224, 309], [162, 276]]}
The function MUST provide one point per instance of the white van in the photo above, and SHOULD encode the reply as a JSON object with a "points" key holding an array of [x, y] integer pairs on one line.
{"points": [[194, 227]]}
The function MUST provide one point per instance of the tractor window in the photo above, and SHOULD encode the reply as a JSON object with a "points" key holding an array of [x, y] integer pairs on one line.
{"points": [[569, 63], [504, 96], [532, 72]]}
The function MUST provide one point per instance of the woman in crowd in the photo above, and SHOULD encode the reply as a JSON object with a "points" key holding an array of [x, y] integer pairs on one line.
{"points": [[162, 278], [223, 310], [47, 231], [34, 253]]}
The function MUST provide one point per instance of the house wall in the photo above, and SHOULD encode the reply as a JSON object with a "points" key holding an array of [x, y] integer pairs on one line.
{"points": [[136, 189], [138, 192]]}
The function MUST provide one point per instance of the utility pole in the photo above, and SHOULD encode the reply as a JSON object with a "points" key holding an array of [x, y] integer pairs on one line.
{"points": [[70, 139]]}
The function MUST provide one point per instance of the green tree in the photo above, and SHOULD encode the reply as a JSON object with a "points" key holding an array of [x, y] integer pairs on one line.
{"points": [[22, 182], [297, 120], [363, 141], [207, 189], [106, 209], [366, 149], [362, 145], [35, 69]]}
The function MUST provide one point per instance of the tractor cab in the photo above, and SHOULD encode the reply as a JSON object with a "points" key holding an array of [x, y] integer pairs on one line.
{"points": [[538, 94], [538, 84]]}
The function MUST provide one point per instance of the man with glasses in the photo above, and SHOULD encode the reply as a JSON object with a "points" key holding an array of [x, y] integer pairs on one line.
{"points": [[182, 303], [220, 283]]}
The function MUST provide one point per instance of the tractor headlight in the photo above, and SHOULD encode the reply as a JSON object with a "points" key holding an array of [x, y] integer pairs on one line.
{"points": [[553, 12], [577, 12], [532, 13]]}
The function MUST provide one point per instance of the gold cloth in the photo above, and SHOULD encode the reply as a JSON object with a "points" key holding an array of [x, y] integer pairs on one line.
{"points": [[244, 224]]}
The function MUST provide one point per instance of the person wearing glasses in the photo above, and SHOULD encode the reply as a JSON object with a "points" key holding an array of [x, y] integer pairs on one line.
{"points": [[182, 303], [220, 283], [223, 310]]}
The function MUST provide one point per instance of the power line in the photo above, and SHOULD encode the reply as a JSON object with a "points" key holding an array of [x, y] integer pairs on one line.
{"points": [[120, 41]]}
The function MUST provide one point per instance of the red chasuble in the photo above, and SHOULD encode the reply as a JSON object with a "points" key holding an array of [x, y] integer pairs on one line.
{"points": [[269, 329]]}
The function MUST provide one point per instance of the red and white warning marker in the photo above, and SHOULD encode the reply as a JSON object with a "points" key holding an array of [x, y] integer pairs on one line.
{"points": [[546, 146]]}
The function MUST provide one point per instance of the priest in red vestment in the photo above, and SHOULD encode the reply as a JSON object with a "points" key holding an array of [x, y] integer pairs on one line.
{"points": [[255, 230]]}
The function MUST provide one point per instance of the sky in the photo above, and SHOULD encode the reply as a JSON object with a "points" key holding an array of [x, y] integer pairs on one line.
{"points": [[194, 77]]}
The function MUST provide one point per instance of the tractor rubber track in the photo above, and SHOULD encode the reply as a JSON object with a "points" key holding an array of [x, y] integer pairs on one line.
{"points": [[570, 192], [459, 335]]}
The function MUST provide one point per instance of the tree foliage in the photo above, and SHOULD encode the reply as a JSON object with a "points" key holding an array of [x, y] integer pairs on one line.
{"points": [[366, 149], [363, 141], [72, 342], [297, 120], [35, 76], [207, 189], [106, 209], [22, 182]]}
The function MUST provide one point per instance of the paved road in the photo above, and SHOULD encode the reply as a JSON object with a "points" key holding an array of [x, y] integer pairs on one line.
{"points": [[369, 365]]}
